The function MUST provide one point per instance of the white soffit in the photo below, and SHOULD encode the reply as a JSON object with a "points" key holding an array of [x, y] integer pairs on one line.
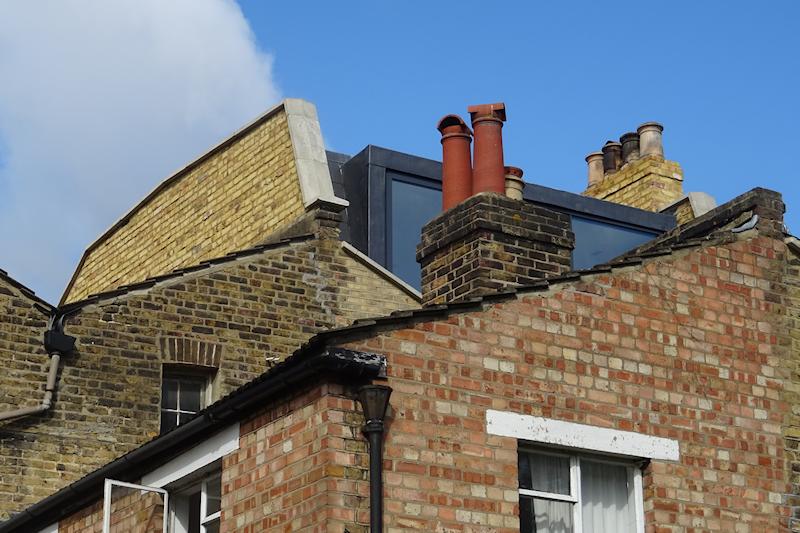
{"points": [[52, 528], [309, 153], [208, 451], [572, 435]]}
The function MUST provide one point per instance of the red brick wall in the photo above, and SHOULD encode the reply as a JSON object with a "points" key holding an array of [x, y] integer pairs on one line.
{"points": [[301, 466], [688, 347]]}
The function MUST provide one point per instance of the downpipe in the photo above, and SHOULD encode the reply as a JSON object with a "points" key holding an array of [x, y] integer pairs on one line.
{"points": [[56, 343], [374, 401]]}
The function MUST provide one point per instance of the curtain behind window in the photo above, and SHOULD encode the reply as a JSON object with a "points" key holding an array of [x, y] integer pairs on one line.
{"points": [[604, 492]]}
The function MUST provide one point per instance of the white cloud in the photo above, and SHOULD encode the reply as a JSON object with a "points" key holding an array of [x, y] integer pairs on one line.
{"points": [[99, 101]]}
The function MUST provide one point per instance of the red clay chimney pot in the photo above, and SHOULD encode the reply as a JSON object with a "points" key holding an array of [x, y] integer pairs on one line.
{"points": [[456, 160], [488, 174]]}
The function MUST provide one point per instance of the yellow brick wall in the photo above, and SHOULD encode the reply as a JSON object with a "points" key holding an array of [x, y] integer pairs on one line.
{"points": [[230, 200], [650, 183]]}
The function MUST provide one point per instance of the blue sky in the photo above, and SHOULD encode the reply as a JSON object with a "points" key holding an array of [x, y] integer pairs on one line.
{"points": [[721, 76], [100, 101]]}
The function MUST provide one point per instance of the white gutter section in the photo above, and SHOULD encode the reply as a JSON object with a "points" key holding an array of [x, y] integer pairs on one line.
{"points": [[580, 436]]}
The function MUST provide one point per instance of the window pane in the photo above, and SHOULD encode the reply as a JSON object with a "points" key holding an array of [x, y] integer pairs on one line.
{"points": [[605, 499], [212, 527], [185, 417], [546, 473], [545, 516], [168, 421], [191, 392], [213, 495], [169, 394], [412, 207], [597, 242]]}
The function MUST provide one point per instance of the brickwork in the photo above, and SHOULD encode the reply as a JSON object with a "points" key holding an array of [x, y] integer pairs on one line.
{"points": [[650, 183], [792, 428], [131, 512], [489, 243], [25, 365], [233, 315], [230, 199], [689, 347], [308, 463]]}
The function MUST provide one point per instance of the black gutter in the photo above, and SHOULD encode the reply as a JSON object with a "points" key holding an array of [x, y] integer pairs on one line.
{"points": [[346, 365]]}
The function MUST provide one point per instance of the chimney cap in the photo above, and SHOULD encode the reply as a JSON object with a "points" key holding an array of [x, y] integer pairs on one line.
{"points": [[593, 155], [514, 171], [628, 136], [650, 126], [496, 111], [612, 145], [452, 124]]}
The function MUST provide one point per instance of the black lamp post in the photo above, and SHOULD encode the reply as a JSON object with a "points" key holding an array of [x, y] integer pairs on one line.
{"points": [[374, 401]]}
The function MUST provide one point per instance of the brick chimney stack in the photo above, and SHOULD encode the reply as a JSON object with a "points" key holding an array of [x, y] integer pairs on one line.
{"points": [[492, 240], [635, 172]]}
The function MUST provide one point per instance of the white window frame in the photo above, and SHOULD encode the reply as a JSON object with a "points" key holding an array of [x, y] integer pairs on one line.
{"points": [[108, 487], [615, 446], [574, 497], [178, 374], [179, 517], [197, 459]]}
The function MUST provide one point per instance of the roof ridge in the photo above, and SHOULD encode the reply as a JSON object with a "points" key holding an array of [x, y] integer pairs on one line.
{"points": [[26, 291]]}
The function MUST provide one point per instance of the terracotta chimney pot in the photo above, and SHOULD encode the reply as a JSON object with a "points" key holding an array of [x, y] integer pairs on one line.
{"points": [[488, 173], [630, 147], [514, 184], [612, 156], [595, 164], [456, 161], [650, 139]]}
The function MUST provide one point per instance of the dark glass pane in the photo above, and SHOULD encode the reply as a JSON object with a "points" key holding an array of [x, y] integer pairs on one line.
{"points": [[194, 513], [169, 394], [185, 417], [412, 207], [213, 527], [524, 470], [597, 242], [191, 393], [213, 495], [548, 473], [168, 421]]}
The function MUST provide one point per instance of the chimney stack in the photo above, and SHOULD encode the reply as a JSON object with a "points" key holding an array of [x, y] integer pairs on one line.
{"points": [[456, 161], [492, 240], [488, 174], [635, 172]]}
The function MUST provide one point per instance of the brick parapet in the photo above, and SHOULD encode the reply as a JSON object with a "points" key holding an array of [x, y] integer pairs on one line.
{"points": [[233, 198], [490, 242]]}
